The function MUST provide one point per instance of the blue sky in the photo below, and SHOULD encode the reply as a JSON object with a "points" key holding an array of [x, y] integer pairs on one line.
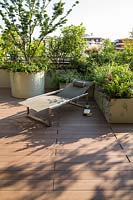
{"points": [[106, 18]]}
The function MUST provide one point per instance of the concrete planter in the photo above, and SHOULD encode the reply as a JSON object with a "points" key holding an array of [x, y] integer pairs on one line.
{"points": [[24, 85], [4, 78], [115, 110]]}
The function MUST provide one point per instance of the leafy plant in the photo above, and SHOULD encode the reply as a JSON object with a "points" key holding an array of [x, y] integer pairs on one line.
{"points": [[101, 56], [84, 67], [67, 76], [131, 65], [123, 57], [28, 68], [70, 44], [109, 55], [73, 41], [115, 80], [79, 63]]}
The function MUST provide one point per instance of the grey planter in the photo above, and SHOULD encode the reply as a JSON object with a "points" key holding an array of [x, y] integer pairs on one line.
{"points": [[24, 85], [115, 110], [4, 78]]}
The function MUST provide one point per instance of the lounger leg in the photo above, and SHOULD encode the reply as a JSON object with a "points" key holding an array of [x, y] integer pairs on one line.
{"points": [[28, 111], [87, 99], [49, 117], [46, 122], [76, 104]]}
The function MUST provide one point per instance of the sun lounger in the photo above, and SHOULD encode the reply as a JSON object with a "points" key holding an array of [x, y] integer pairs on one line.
{"points": [[52, 100]]}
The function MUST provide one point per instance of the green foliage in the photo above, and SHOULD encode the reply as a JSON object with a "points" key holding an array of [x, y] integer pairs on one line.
{"points": [[79, 63], [84, 67], [102, 56], [11, 52], [115, 80], [128, 44], [131, 65], [67, 76], [28, 68], [123, 57], [21, 19], [70, 43], [54, 50], [108, 55], [73, 42]]}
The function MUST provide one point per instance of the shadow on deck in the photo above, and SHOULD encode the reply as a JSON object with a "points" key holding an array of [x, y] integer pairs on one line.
{"points": [[78, 157]]}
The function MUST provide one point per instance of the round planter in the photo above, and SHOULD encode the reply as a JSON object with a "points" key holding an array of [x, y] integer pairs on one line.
{"points": [[4, 78], [24, 85]]}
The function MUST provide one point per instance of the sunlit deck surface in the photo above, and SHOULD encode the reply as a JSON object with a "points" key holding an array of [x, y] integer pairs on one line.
{"points": [[78, 158]]}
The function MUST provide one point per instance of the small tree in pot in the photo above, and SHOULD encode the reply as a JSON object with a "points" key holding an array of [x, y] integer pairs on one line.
{"points": [[21, 19]]}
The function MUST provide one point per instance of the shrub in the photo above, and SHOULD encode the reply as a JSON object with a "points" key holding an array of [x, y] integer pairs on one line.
{"points": [[67, 76], [116, 80], [123, 57], [79, 63], [84, 67], [28, 68], [131, 65]]}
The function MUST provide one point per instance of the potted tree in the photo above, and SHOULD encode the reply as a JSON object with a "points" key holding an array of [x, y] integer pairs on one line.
{"points": [[23, 20], [114, 92]]}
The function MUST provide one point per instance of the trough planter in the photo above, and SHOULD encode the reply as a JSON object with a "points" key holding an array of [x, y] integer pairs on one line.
{"points": [[25, 85], [115, 110], [4, 78]]}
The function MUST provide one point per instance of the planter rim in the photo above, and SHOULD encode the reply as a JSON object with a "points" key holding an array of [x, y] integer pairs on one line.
{"points": [[4, 69], [27, 72]]}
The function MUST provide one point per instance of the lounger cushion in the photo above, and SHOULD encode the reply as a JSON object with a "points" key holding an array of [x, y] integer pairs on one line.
{"points": [[78, 83]]}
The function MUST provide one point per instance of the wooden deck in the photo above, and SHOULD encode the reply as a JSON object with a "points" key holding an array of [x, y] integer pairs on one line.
{"points": [[79, 158]]}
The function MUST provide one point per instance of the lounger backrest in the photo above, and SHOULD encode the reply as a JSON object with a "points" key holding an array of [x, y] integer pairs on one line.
{"points": [[72, 90]]}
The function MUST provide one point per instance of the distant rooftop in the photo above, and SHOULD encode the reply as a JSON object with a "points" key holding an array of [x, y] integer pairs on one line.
{"points": [[87, 36]]}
